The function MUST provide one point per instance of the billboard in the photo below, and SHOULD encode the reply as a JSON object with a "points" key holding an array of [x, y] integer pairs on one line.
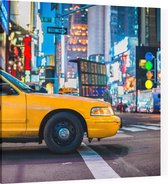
{"points": [[27, 58], [92, 78]]}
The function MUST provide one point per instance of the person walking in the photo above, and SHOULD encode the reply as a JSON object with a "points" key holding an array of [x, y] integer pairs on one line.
{"points": [[107, 94], [120, 106]]}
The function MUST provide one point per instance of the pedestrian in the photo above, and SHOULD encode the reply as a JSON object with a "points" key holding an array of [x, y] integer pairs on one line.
{"points": [[107, 94], [125, 106], [43, 90], [120, 106]]}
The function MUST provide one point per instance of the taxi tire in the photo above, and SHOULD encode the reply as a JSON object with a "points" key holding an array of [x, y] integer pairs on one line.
{"points": [[53, 122]]}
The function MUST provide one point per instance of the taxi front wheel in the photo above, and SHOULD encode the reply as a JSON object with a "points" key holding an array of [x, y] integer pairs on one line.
{"points": [[63, 133]]}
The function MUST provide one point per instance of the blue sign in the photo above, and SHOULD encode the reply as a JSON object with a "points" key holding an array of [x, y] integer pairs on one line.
{"points": [[93, 91], [42, 61], [4, 15], [149, 56], [57, 30]]}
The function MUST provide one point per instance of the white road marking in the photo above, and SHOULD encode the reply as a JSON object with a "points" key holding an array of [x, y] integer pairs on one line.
{"points": [[97, 166], [147, 127], [158, 125], [149, 124], [67, 163], [120, 131], [132, 129]]}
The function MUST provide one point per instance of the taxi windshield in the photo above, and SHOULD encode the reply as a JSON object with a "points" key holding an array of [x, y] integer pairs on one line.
{"points": [[16, 82]]}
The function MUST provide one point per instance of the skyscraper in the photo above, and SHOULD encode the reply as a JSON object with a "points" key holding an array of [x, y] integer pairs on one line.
{"points": [[149, 26], [77, 40], [99, 32], [124, 22]]}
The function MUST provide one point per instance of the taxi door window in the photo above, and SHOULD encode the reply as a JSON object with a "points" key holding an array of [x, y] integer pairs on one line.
{"points": [[6, 89]]}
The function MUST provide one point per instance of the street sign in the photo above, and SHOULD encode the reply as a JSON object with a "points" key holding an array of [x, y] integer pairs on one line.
{"points": [[57, 30], [47, 19]]}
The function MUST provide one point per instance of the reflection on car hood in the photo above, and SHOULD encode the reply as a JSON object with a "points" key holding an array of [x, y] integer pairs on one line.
{"points": [[68, 97]]}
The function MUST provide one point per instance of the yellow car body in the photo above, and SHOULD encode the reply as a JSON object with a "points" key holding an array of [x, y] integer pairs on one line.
{"points": [[25, 116]]}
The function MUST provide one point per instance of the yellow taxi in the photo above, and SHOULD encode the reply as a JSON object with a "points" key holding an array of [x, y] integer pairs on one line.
{"points": [[59, 120], [71, 91]]}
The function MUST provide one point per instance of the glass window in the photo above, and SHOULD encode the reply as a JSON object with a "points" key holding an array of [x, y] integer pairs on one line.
{"points": [[6, 89], [16, 82], [2, 81]]}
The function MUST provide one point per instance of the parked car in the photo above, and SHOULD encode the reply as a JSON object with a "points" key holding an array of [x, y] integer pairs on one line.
{"points": [[57, 119]]}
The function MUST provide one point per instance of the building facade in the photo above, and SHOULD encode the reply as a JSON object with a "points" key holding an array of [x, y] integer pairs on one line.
{"points": [[21, 45], [131, 27], [4, 31], [77, 42], [124, 39], [149, 26]]}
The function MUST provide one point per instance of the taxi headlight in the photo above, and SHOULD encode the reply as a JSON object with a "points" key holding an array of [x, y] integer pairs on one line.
{"points": [[101, 111]]}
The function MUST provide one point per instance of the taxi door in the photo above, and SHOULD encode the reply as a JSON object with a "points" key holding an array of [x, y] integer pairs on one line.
{"points": [[12, 111]]}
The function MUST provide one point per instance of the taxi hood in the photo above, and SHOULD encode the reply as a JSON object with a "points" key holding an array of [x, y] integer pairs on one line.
{"points": [[67, 98]]}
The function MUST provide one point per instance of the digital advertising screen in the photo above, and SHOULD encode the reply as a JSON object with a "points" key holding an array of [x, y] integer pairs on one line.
{"points": [[92, 78]]}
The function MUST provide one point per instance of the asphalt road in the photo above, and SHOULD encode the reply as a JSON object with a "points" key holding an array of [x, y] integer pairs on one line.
{"points": [[133, 152]]}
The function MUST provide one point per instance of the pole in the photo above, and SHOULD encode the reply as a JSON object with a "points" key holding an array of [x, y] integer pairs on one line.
{"points": [[55, 68], [155, 71]]}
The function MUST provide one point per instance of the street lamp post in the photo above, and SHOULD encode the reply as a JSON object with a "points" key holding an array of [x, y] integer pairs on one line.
{"points": [[55, 68]]}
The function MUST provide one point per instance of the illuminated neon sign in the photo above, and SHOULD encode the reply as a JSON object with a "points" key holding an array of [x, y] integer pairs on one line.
{"points": [[27, 58], [27, 52], [92, 78]]}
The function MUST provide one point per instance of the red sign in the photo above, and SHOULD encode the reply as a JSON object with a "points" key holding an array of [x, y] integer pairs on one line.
{"points": [[124, 67], [27, 52]]}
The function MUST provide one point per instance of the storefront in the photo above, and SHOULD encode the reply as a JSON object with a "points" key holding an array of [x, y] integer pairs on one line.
{"points": [[19, 30], [15, 59], [149, 100], [130, 100], [121, 73], [2, 48]]}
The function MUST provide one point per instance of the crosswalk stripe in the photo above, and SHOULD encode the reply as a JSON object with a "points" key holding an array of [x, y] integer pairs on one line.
{"points": [[139, 128], [147, 127], [157, 125], [120, 131], [132, 129], [97, 166], [148, 123]]}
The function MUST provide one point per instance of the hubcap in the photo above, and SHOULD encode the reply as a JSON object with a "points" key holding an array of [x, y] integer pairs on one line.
{"points": [[64, 133]]}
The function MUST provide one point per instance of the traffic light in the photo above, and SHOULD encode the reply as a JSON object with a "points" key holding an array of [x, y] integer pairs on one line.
{"points": [[149, 66], [146, 67]]}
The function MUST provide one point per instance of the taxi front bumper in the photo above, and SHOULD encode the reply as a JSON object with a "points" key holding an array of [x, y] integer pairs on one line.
{"points": [[101, 127]]}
